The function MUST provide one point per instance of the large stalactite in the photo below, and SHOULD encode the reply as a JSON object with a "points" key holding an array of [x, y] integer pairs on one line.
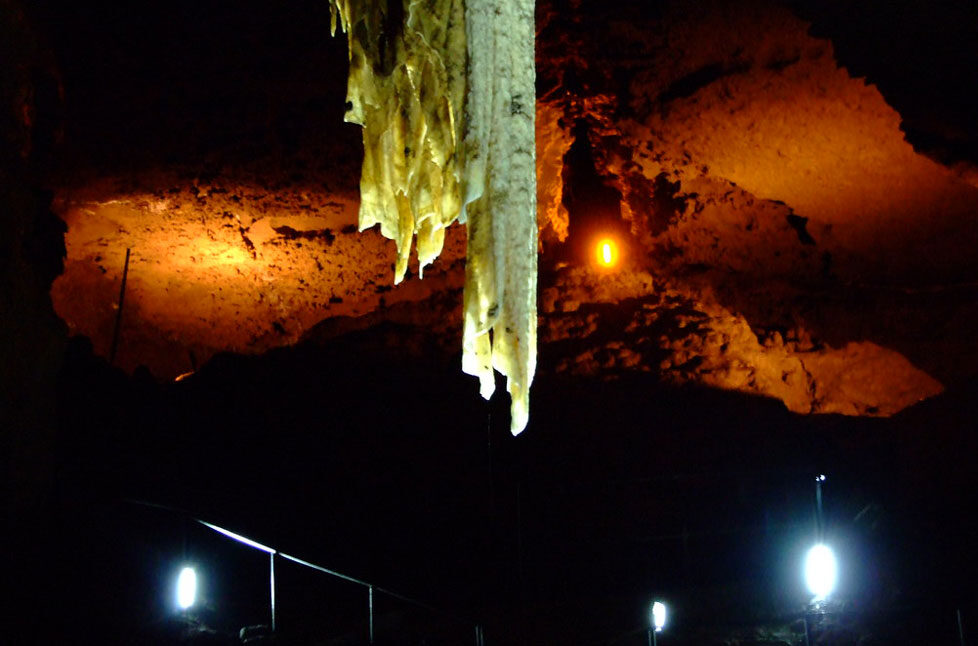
{"points": [[444, 90]]}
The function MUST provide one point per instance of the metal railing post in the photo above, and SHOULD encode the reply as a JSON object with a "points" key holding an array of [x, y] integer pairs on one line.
{"points": [[271, 581], [370, 602], [118, 312]]}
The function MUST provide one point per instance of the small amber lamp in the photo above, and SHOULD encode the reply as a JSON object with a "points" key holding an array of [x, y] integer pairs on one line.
{"points": [[607, 253]]}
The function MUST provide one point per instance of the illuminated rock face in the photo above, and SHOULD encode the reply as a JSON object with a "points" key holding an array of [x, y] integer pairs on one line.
{"points": [[227, 265], [630, 322], [780, 236], [552, 144], [783, 122], [788, 225]]}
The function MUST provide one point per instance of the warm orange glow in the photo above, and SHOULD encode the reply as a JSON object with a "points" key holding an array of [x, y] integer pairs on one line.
{"points": [[607, 253]]}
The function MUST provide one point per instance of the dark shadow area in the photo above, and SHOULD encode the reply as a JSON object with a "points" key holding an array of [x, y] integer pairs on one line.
{"points": [[339, 453], [215, 84], [923, 58]]}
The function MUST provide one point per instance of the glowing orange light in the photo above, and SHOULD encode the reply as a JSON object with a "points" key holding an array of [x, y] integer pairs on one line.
{"points": [[607, 253]]}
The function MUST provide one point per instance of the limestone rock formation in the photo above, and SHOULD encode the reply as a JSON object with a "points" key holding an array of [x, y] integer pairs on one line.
{"points": [[776, 198], [779, 234]]}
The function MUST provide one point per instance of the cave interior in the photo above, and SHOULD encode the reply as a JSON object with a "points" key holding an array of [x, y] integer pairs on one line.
{"points": [[194, 328]]}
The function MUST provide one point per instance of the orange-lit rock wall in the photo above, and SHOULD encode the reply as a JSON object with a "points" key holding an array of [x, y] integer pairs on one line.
{"points": [[553, 142], [787, 225], [781, 120], [222, 266], [780, 236]]}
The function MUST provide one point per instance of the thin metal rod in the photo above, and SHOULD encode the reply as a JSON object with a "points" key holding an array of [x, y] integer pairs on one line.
{"points": [[296, 559], [819, 519], [960, 628], [271, 582], [389, 593], [118, 313], [370, 602], [238, 537]]}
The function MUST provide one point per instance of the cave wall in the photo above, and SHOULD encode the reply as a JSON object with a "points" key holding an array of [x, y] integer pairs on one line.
{"points": [[780, 235], [32, 337], [31, 253], [774, 196]]}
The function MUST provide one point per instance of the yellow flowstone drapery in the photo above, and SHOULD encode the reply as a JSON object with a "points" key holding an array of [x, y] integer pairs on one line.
{"points": [[444, 90]]}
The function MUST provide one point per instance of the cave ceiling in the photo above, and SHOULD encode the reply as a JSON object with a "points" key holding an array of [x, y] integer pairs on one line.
{"points": [[779, 234]]}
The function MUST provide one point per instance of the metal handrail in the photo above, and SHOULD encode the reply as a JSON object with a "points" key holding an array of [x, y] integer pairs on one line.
{"points": [[273, 552]]}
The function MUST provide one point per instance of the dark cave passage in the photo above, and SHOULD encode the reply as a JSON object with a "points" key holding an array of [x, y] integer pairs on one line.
{"points": [[593, 205]]}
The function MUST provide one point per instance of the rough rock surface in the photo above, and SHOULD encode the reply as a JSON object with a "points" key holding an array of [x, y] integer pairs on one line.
{"points": [[230, 264], [610, 325], [780, 236], [764, 183]]}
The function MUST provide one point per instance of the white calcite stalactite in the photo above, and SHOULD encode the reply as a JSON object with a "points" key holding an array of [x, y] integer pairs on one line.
{"points": [[445, 92]]}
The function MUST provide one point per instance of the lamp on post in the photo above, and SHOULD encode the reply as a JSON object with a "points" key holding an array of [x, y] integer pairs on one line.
{"points": [[657, 621], [821, 571], [186, 588], [821, 567]]}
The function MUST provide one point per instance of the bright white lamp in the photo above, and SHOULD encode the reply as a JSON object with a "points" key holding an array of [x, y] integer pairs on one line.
{"points": [[186, 588], [821, 571], [658, 616]]}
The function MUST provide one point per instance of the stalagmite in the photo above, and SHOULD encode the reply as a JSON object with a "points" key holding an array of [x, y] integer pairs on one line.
{"points": [[444, 90]]}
